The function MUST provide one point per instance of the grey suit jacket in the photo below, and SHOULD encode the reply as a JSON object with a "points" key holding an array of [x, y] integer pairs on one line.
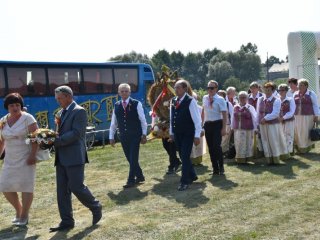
{"points": [[70, 145]]}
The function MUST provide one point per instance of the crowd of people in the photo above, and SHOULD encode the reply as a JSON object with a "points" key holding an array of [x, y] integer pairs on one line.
{"points": [[269, 120]]}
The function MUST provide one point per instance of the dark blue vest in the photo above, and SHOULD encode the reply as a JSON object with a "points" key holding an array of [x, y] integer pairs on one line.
{"points": [[181, 121], [128, 121]]}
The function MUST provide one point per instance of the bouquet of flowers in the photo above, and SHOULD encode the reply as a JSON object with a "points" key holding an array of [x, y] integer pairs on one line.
{"points": [[43, 136]]}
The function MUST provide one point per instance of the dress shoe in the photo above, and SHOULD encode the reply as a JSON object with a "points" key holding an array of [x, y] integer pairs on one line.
{"points": [[129, 185], [96, 215], [61, 228], [22, 222], [183, 187], [140, 180], [195, 178]]}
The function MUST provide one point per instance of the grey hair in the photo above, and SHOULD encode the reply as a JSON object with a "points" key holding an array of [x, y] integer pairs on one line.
{"points": [[124, 85], [230, 89], [64, 89], [243, 93]]}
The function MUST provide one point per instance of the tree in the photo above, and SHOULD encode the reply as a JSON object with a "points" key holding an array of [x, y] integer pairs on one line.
{"points": [[249, 48], [132, 57], [220, 71], [235, 82], [160, 58], [177, 59]]}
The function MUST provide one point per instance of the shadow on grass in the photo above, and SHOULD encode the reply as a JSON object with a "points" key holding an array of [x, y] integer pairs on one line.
{"points": [[127, 195], [312, 156], [191, 198], [14, 232], [80, 235], [222, 182], [285, 169], [201, 169]]}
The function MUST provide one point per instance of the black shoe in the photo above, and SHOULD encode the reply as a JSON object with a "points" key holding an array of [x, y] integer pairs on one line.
{"points": [[195, 178], [96, 215], [129, 185], [140, 180], [221, 173], [183, 187], [61, 228], [214, 173]]}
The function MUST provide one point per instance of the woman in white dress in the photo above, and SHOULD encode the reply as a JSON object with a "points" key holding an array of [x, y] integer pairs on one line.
{"points": [[306, 115], [18, 170], [243, 123], [287, 110], [272, 137]]}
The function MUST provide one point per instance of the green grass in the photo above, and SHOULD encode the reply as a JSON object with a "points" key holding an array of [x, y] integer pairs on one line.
{"points": [[253, 201]]}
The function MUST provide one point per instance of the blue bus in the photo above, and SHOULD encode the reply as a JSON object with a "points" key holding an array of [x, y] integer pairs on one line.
{"points": [[95, 87]]}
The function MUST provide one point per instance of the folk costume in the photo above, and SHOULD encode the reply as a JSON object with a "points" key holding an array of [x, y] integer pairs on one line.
{"points": [[306, 109], [243, 122], [272, 137], [185, 125], [287, 111]]}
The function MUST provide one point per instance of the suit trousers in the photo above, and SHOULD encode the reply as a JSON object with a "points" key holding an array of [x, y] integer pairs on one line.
{"points": [[184, 143], [171, 149], [213, 138], [70, 180], [131, 145]]}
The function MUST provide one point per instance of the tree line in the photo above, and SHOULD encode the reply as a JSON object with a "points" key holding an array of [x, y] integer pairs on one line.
{"points": [[236, 69]]}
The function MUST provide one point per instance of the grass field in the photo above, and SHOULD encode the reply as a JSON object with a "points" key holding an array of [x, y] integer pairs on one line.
{"points": [[254, 201]]}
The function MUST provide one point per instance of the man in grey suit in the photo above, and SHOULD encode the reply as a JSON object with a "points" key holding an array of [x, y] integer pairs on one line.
{"points": [[70, 158]]}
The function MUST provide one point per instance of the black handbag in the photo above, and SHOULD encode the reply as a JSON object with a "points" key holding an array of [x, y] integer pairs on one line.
{"points": [[315, 133]]}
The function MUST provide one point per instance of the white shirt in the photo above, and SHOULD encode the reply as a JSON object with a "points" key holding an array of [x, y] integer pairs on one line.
{"points": [[276, 107], [195, 115], [313, 99], [142, 118], [213, 113], [290, 93], [252, 112], [289, 114]]}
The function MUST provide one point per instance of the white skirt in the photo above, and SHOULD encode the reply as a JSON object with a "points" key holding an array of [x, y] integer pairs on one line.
{"points": [[243, 142], [273, 142], [288, 131], [302, 126]]}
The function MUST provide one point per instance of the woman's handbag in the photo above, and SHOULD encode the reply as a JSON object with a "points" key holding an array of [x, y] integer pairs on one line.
{"points": [[315, 133]]}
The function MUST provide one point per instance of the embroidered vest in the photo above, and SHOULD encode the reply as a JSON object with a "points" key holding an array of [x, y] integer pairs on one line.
{"points": [[303, 105], [266, 107], [242, 118], [285, 108]]}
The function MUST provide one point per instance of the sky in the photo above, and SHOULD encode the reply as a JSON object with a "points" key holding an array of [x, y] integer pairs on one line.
{"points": [[96, 30]]}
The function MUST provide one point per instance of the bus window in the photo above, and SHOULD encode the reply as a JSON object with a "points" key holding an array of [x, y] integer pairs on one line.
{"points": [[126, 75], [64, 76], [27, 81], [2, 82], [97, 80]]}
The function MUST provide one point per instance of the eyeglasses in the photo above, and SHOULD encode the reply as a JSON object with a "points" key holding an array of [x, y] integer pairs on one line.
{"points": [[281, 90], [211, 88]]}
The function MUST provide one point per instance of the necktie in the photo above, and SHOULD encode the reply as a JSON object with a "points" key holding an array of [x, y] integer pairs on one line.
{"points": [[178, 102], [64, 111], [124, 105]]}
